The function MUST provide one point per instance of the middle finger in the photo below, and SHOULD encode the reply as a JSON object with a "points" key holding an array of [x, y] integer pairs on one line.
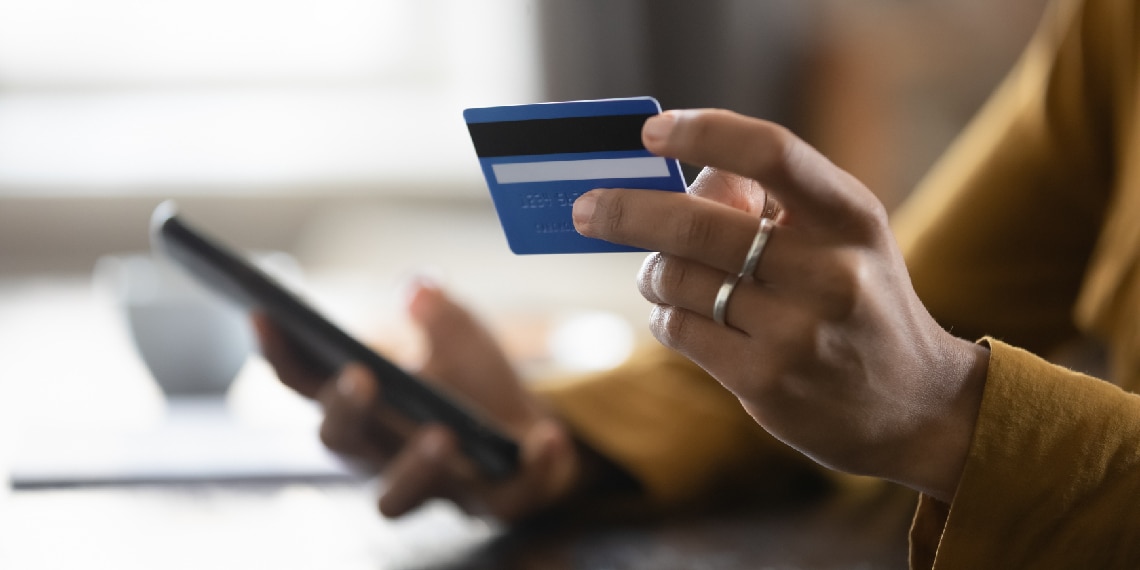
{"points": [[731, 189]]}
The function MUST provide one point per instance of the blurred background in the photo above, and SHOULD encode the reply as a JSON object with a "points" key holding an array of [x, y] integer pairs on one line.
{"points": [[329, 134]]}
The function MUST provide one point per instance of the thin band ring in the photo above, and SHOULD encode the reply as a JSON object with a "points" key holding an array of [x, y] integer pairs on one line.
{"points": [[771, 208], [753, 258], [720, 305]]}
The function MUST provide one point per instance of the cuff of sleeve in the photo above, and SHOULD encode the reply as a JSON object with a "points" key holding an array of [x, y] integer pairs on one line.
{"points": [[926, 531], [1050, 475]]}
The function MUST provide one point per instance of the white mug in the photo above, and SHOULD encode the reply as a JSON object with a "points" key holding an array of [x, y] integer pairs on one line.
{"points": [[192, 342]]}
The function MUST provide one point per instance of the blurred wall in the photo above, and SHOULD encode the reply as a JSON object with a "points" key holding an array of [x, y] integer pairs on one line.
{"points": [[880, 86], [738, 54]]}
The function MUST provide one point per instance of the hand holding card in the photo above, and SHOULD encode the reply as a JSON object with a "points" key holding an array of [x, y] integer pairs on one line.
{"points": [[537, 159]]}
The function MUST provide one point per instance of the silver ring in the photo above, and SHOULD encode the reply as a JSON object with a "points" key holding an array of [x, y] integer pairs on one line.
{"points": [[771, 208], [757, 248], [720, 305]]}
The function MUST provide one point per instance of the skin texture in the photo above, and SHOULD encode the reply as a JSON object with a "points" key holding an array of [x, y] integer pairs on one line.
{"points": [[423, 462], [828, 346]]}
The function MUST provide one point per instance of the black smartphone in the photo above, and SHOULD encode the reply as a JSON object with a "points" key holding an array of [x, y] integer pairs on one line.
{"points": [[224, 271]]}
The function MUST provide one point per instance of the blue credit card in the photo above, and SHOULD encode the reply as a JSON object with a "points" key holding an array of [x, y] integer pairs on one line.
{"points": [[539, 158]]}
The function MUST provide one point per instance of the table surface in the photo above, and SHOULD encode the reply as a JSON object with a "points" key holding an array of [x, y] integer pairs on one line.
{"points": [[336, 526], [99, 389]]}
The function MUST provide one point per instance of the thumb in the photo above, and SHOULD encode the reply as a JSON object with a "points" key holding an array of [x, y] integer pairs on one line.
{"points": [[441, 318], [456, 339]]}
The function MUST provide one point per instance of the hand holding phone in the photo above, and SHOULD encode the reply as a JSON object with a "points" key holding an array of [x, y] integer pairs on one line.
{"points": [[230, 275], [426, 462]]}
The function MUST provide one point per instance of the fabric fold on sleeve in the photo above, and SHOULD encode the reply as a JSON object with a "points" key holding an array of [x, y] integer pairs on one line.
{"points": [[1052, 479]]}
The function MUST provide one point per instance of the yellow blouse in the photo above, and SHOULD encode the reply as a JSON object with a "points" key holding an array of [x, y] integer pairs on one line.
{"points": [[1027, 233]]}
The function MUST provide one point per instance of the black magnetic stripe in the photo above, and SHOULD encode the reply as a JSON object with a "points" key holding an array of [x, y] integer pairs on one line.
{"points": [[556, 136]]}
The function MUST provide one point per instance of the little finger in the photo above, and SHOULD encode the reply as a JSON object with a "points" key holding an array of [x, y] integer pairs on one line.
{"points": [[742, 360], [670, 280]]}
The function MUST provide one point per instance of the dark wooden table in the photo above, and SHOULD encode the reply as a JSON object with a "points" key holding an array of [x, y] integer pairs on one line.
{"points": [[831, 532]]}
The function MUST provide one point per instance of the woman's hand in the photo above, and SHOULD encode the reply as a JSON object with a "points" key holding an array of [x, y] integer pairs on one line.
{"points": [[826, 344], [424, 462]]}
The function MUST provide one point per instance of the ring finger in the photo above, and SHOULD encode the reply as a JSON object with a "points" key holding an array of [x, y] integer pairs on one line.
{"points": [[662, 273], [677, 282]]}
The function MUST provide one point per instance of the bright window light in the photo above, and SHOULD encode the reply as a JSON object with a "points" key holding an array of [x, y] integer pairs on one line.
{"points": [[591, 341], [136, 96]]}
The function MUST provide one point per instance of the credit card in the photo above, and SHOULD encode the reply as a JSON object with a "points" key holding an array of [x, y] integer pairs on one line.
{"points": [[539, 158]]}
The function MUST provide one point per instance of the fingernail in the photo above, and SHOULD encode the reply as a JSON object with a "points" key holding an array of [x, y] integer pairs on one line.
{"points": [[350, 385], [415, 295], [584, 208], [432, 446], [658, 127], [423, 278], [427, 279], [544, 435]]}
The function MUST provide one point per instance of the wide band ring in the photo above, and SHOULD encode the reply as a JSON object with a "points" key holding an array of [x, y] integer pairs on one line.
{"points": [[752, 260], [720, 304]]}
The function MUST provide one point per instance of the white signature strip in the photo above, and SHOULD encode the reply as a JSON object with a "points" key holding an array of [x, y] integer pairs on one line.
{"points": [[590, 169]]}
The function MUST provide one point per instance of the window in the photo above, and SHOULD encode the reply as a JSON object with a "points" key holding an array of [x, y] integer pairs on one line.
{"points": [[128, 97]]}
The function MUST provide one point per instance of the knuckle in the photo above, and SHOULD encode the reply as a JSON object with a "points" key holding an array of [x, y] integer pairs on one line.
{"points": [[613, 218], [671, 277], [694, 229], [699, 127], [647, 277], [877, 222], [804, 339], [670, 325], [788, 152], [843, 284], [677, 281], [877, 214], [332, 436], [865, 216]]}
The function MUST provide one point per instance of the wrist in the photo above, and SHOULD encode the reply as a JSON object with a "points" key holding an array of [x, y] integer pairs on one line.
{"points": [[941, 447]]}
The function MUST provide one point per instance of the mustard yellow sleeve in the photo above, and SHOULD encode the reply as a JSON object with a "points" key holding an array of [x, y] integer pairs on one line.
{"points": [[677, 431], [1052, 479], [999, 235], [1003, 239]]}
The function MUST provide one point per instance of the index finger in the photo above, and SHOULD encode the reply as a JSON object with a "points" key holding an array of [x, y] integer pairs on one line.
{"points": [[807, 184]]}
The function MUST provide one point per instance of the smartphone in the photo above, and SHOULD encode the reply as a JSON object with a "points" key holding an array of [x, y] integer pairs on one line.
{"points": [[231, 275]]}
